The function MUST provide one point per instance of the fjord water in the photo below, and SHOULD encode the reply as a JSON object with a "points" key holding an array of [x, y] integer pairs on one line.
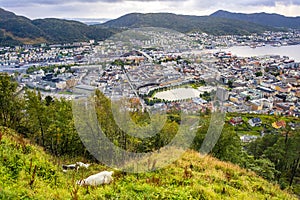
{"points": [[293, 52]]}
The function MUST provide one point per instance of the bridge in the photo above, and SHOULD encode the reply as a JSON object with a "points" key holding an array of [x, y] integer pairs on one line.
{"points": [[144, 54]]}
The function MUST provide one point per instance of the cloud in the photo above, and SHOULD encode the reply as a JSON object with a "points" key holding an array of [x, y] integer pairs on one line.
{"points": [[270, 3], [203, 3], [243, 3], [116, 8], [26, 3]]}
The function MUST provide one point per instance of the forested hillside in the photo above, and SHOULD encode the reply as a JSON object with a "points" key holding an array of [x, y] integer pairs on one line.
{"points": [[186, 23], [17, 30], [49, 123], [266, 19]]}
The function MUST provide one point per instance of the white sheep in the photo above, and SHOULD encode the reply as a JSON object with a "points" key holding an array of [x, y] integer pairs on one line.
{"points": [[81, 164], [104, 177]]}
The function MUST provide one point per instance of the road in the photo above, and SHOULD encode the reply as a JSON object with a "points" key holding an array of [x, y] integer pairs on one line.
{"points": [[144, 107]]}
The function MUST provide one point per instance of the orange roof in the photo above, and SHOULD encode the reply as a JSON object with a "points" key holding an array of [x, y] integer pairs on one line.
{"points": [[279, 124]]}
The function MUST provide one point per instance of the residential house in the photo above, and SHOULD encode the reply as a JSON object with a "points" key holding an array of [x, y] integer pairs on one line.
{"points": [[279, 124], [236, 121], [255, 122], [256, 105], [248, 138]]}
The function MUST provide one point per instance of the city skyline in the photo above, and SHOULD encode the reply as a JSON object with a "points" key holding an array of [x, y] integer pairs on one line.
{"points": [[113, 9]]}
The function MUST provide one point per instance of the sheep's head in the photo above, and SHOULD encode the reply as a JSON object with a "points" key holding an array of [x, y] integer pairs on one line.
{"points": [[111, 173], [108, 177]]}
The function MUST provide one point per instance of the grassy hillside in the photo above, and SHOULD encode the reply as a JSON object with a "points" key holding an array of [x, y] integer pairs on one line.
{"points": [[27, 172]]}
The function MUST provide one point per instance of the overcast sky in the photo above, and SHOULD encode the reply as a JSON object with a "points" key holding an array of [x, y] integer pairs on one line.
{"points": [[116, 8]]}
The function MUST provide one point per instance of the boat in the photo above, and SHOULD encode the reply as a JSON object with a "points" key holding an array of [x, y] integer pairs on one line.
{"points": [[276, 44]]}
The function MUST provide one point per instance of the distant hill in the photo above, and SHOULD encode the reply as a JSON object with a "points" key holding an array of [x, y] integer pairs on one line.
{"points": [[90, 21], [15, 30], [59, 30], [265, 19], [28, 172], [186, 23]]}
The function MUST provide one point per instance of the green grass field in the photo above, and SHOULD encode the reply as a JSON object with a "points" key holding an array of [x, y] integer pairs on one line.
{"points": [[27, 172]]}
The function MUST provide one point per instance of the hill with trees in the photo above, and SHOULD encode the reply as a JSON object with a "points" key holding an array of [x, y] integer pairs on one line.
{"points": [[48, 138], [186, 23], [64, 31], [265, 19], [17, 30]]}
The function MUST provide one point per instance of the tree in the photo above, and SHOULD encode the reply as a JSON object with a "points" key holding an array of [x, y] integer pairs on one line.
{"points": [[37, 119], [228, 147], [284, 153], [258, 74], [230, 83], [51, 124], [248, 98], [10, 104], [48, 100]]}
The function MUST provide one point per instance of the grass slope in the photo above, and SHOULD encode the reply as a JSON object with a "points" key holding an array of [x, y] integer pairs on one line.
{"points": [[27, 172]]}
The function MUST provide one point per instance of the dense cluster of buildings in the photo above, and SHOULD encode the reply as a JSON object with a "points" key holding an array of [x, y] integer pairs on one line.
{"points": [[138, 64], [20, 58], [255, 40], [263, 85]]}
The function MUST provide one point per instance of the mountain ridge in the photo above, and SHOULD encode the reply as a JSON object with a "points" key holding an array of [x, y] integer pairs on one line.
{"points": [[186, 23], [18, 30], [262, 18]]}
